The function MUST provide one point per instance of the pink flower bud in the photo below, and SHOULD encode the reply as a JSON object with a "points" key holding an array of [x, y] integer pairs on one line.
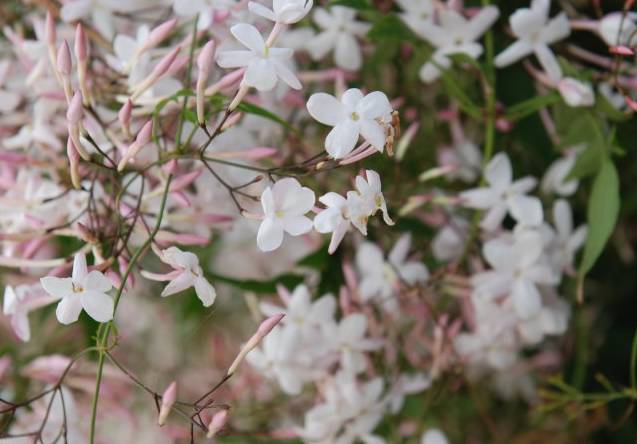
{"points": [[267, 325], [144, 134], [205, 58], [50, 32], [124, 114], [64, 64], [168, 399], [171, 166], [621, 50], [264, 328], [158, 34], [217, 422], [181, 182], [81, 43], [74, 162], [75, 110], [165, 63]]}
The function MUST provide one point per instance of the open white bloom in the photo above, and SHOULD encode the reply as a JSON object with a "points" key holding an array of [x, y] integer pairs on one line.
{"points": [[284, 206], [283, 11], [188, 273], [417, 14], [339, 32], [434, 436], [554, 180], [504, 195], [567, 241], [83, 290], [618, 28], [372, 195], [518, 267], [264, 65], [302, 315], [454, 35], [333, 219], [576, 93], [204, 8], [349, 339], [353, 116], [21, 300], [126, 49], [380, 279], [535, 32]]}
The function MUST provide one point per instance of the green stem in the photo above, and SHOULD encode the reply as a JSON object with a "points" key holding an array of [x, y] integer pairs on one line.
{"points": [[102, 342], [633, 363], [184, 104]]}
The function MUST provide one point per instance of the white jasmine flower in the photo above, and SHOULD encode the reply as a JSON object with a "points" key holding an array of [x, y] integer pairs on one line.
{"points": [[264, 65], [19, 302], [454, 35], [353, 116], [372, 195], [554, 180], [333, 219], [339, 32], [83, 290], [576, 93], [417, 14], [284, 206], [567, 241], [504, 195], [380, 279], [618, 28], [349, 339], [283, 11], [535, 32], [188, 273], [205, 9], [433, 436], [518, 267]]}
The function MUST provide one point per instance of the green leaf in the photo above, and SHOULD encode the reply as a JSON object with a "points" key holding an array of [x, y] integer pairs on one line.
{"points": [[251, 108], [174, 98], [462, 58], [531, 106], [603, 105], [355, 4], [391, 27], [587, 162], [603, 210]]}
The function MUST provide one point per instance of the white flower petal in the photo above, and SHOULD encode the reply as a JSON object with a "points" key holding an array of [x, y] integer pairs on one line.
{"points": [[68, 309], [270, 234], [325, 108]]}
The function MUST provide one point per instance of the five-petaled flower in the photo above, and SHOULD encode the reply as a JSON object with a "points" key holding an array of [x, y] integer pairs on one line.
{"points": [[83, 290]]}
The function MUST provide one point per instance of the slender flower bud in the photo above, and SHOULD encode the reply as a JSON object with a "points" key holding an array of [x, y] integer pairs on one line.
{"points": [[81, 44], [263, 330], [64, 63], [142, 139], [226, 81], [243, 90], [217, 422], [124, 116], [204, 63], [157, 35], [64, 66], [74, 163], [75, 110], [50, 31], [168, 399], [159, 70]]}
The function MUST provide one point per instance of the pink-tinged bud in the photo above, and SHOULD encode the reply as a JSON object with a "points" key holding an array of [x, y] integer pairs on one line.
{"points": [[158, 34], [264, 328], [226, 81], [74, 163], [124, 115], [144, 134], [168, 399], [164, 64], [81, 43], [75, 110], [183, 181], [171, 166], [50, 31], [217, 422], [621, 50], [64, 64], [206, 57]]}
